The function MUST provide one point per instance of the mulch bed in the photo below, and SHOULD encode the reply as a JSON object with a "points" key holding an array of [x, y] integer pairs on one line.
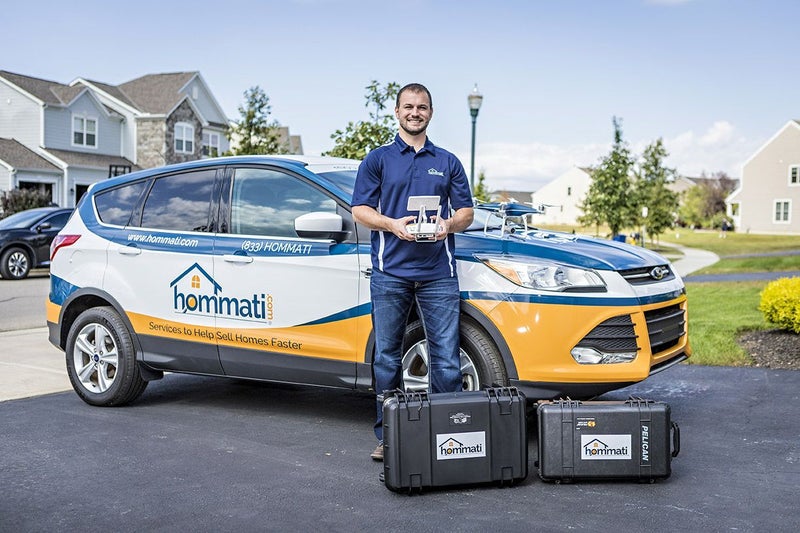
{"points": [[772, 348]]}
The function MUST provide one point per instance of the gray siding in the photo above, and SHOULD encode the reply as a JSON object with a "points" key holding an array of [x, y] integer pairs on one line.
{"points": [[765, 179], [127, 127], [204, 102], [58, 133], [20, 119]]}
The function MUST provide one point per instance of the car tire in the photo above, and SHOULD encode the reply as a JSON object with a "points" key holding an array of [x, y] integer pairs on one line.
{"points": [[15, 264], [101, 359], [481, 363]]}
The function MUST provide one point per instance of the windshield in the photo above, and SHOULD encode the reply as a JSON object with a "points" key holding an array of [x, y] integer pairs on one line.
{"points": [[485, 219], [344, 179], [23, 219]]}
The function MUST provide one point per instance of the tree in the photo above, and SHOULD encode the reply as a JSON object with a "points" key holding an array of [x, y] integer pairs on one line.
{"points": [[608, 199], [254, 133], [360, 137], [481, 193], [704, 204], [651, 191]]}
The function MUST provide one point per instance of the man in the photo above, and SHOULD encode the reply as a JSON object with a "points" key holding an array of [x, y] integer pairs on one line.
{"points": [[406, 272]]}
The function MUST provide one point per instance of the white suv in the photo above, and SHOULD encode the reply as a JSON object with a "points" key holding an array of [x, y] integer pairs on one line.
{"points": [[252, 267]]}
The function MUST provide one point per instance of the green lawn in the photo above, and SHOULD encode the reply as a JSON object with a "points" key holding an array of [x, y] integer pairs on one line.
{"points": [[718, 313]]}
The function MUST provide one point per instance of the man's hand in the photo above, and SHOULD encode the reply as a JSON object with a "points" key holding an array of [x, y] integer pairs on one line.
{"points": [[369, 217], [398, 227]]}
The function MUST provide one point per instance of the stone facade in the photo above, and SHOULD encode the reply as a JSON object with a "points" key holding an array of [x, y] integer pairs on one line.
{"points": [[183, 113], [150, 143]]}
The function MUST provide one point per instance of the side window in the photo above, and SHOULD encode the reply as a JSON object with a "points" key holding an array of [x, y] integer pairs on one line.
{"points": [[58, 221], [115, 206], [266, 202], [184, 138], [180, 202]]}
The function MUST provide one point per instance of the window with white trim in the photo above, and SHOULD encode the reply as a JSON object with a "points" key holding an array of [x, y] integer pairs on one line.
{"points": [[794, 175], [782, 211], [210, 144], [184, 138], [84, 131]]}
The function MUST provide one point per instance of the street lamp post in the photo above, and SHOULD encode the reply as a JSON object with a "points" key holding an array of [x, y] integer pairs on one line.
{"points": [[474, 98]]}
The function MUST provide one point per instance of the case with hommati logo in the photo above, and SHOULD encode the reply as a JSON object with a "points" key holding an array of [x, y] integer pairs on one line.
{"points": [[634, 439], [459, 438]]}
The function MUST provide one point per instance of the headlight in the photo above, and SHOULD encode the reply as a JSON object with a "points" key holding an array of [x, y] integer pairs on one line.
{"points": [[544, 275]]}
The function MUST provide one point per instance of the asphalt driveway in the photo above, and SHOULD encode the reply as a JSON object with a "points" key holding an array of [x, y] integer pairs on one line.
{"points": [[206, 454]]}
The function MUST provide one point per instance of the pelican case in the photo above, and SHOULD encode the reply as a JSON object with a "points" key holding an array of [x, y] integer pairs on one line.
{"points": [[458, 438], [606, 440]]}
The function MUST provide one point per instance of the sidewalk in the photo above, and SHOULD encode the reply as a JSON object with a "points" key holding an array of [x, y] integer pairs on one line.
{"points": [[30, 365], [692, 260]]}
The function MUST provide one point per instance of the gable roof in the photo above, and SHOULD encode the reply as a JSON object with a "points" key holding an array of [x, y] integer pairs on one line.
{"points": [[157, 94], [20, 157], [46, 91], [791, 123]]}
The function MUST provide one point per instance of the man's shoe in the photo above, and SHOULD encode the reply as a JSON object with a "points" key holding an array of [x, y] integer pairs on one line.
{"points": [[377, 455]]}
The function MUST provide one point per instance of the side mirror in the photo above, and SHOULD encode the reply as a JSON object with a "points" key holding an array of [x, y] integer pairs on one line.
{"points": [[43, 226], [320, 225]]}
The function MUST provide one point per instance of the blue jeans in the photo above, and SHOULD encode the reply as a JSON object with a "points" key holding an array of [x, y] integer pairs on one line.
{"points": [[439, 308]]}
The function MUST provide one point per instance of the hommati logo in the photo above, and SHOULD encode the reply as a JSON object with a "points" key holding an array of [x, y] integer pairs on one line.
{"points": [[460, 445], [605, 447]]}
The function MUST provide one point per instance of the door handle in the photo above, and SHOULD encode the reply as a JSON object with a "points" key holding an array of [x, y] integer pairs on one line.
{"points": [[237, 258], [130, 249]]}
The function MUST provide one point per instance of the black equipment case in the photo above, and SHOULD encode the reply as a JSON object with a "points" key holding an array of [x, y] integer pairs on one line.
{"points": [[459, 438], [606, 440]]}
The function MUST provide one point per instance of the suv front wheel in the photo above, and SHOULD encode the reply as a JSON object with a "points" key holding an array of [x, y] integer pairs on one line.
{"points": [[101, 359], [481, 363]]}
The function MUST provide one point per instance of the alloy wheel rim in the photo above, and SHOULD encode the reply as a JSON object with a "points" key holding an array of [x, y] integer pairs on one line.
{"points": [[18, 263], [96, 358], [415, 369]]}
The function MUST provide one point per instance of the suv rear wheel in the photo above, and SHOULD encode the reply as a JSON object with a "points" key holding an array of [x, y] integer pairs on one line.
{"points": [[15, 264], [481, 363], [101, 359]]}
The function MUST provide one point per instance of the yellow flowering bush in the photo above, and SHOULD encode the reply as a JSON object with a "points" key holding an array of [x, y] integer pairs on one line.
{"points": [[780, 303]]}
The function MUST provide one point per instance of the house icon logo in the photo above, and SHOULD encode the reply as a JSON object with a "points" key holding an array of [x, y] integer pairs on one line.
{"points": [[195, 292], [460, 445]]}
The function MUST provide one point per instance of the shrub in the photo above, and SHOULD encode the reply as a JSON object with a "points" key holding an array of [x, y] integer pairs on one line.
{"points": [[780, 303], [17, 200]]}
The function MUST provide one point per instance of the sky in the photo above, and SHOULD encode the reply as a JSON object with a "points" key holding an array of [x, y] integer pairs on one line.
{"points": [[715, 79]]}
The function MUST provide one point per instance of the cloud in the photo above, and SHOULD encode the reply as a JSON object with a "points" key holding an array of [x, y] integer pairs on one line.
{"points": [[720, 148], [529, 166]]}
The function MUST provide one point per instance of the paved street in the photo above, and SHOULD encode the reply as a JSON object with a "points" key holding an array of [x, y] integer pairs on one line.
{"points": [[209, 454], [205, 454]]}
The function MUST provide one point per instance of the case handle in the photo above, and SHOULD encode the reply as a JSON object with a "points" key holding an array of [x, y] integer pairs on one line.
{"points": [[676, 439]]}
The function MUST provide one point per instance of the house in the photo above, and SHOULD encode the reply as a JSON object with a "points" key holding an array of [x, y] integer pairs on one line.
{"points": [[61, 138], [560, 199], [768, 197], [519, 197]]}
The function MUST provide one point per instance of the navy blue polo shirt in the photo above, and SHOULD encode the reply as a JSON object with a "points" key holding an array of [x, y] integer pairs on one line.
{"points": [[386, 178]]}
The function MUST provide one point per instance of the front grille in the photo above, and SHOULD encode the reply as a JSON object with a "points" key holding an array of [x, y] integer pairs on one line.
{"points": [[643, 276], [665, 327], [613, 335]]}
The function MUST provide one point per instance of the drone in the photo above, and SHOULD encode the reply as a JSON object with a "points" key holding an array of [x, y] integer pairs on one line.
{"points": [[508, 209]]}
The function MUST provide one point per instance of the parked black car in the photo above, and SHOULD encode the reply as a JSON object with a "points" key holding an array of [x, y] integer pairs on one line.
{"points": [[25, 239]]}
